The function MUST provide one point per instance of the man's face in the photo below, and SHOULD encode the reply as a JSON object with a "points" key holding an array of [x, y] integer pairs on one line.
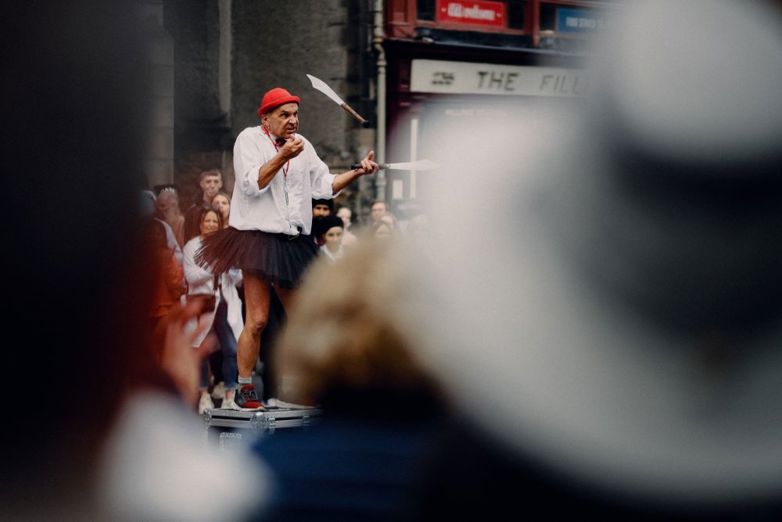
{"points": [[320, 209], [378, 209], [283, 121], [211, 185]]}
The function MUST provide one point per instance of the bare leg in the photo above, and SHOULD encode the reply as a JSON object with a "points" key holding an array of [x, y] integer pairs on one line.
{"points": [[256, 297], [286, 296]]}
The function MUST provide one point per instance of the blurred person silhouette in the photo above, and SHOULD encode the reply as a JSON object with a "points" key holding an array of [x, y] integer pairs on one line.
{"points": [[390, 219], [147, 208], [344, 352], [278, 174], [346, 215], [169, 277], [615, 332], [86, 304], [167, 210], [418, 227], [384, 227], [328, 232], [223, 315], [376, 211], [210, 182]]}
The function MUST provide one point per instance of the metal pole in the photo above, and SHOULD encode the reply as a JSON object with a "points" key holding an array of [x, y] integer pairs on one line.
{"points": [[380, 148]]}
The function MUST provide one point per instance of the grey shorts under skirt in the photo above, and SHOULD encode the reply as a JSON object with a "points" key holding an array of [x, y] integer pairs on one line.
{"points": [[280, 258]]}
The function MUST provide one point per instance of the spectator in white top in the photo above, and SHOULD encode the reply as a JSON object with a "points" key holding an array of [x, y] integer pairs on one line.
{"points": [[223, 316]]}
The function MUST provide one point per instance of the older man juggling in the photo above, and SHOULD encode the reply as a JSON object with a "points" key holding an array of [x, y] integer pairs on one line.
{"points": [[278, 174]]}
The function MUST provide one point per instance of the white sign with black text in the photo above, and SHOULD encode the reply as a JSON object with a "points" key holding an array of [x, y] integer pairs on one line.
{"points": [[438, 76]]}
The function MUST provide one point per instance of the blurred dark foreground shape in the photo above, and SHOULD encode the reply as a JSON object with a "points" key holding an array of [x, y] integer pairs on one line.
{"points": [[85, 373]]}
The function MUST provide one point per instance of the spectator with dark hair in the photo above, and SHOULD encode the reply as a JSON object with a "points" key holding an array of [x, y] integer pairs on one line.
{"points": [[210, 182], [328, 231], [222, 203], [322, 207]]}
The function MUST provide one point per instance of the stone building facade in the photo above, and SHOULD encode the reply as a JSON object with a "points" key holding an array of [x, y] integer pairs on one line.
{"points": [[227, 53]]}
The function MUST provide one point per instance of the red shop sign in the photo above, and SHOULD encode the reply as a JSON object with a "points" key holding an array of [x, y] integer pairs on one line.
{"points": [[471, 12]]}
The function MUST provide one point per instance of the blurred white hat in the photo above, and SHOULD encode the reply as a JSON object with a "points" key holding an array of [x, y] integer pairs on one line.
{"points": [[617, 313]]}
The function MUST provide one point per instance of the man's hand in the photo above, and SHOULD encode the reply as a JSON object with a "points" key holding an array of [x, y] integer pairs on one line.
{"points": [[368, 164], [179, 359], [292, 148], [285, 152]]}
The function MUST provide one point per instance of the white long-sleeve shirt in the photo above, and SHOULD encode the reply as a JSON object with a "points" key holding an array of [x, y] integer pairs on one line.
{"points": [[268, 209]]}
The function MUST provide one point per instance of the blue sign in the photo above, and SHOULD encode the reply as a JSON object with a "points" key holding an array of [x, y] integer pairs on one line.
{"points": [[570, 20]]}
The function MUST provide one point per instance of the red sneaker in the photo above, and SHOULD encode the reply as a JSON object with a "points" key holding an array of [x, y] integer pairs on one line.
{"points": [[247, 399]]}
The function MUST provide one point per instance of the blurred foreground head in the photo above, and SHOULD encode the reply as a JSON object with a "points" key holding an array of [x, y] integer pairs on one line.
{"points": [[343, 339], [621, 310]]}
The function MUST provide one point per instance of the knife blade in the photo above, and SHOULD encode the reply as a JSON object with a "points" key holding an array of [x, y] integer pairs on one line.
{"points": [[424, 164], [321, 86]]}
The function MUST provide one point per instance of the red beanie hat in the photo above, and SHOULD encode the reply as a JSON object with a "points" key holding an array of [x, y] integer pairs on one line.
{"points": [[274, 98]]}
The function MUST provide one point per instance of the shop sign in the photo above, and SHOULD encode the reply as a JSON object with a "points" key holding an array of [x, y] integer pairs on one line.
{"points": [[438, 76], [472, 13], [571, 20]]}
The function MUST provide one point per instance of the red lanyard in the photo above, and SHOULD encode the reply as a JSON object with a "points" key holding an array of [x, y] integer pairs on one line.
{"points": [[287, 163]]}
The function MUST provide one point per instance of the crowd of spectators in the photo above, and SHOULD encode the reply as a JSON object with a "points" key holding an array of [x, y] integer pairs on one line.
{"points": [[177, 236]]}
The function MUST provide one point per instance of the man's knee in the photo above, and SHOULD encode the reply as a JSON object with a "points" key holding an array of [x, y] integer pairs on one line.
{"points": [[255, 325]]}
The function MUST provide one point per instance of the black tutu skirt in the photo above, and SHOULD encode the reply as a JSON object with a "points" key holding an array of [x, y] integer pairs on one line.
{"points": [[280, 258]]}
